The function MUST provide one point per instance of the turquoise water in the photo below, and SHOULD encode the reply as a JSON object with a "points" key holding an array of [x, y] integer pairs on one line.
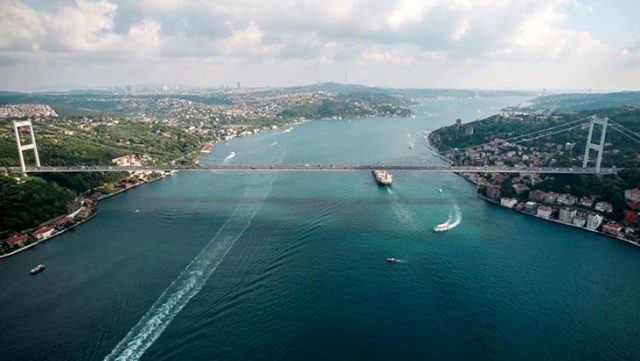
{"points": [[292, 265]]}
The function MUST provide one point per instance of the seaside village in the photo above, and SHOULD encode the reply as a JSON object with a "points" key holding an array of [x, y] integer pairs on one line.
{"points": [[587, 213], [85, 206]]}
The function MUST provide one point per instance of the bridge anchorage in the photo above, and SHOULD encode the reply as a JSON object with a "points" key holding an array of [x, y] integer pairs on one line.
{"points": [[24, 126]]}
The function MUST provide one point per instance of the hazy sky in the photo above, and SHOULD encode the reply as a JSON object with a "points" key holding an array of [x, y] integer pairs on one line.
{"points": [[522, 44]]}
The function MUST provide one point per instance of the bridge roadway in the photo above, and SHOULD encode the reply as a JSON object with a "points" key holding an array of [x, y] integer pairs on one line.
{"points": [[317, 168]]}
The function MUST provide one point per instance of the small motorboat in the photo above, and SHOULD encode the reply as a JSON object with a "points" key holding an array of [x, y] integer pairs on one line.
{"points": [[440, 190], [442, 227], [37, 269], [393, 260]]}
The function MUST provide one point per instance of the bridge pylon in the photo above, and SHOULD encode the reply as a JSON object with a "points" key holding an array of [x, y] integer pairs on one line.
{"points": [[18, 127], [599, 147]]}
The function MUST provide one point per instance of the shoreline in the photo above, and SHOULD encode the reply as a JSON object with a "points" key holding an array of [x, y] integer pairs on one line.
{"points": [[95, 213], [113, 194], [496, 203], [48, 238]]}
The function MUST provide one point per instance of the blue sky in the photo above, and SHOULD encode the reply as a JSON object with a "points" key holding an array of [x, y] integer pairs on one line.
{"points": [[506, 44]]}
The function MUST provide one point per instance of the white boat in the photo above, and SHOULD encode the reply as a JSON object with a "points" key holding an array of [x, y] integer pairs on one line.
{"points": [[393, 260], [442, 227], [37, 269], [440, 190]]}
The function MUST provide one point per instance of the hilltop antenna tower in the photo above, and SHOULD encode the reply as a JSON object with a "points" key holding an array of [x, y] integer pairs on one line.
{"points": [[597, 147], [18, 126]]}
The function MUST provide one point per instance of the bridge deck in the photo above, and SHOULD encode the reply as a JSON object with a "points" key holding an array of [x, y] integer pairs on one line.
{"points": [[316, 168]]}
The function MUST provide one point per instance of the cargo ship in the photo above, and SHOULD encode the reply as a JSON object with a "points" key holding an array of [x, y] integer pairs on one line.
{"points": [[383, 177]]}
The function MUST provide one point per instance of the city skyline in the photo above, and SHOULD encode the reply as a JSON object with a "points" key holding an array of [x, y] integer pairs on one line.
{"points": [[520, 44]]}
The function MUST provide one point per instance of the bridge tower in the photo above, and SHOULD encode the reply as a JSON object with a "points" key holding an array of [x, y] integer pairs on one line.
{"points": [[19, 126], [597, 147]]}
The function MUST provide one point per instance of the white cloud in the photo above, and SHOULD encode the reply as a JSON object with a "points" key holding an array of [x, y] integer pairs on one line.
{"points": [[152, 6], [20, 26], [415, 35], [83, 26], [144, 37]]}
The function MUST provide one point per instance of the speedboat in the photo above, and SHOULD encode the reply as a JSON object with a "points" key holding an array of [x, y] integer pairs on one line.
{"points": [[442, 227], [393, 260], [440, 190], [37, 269]]}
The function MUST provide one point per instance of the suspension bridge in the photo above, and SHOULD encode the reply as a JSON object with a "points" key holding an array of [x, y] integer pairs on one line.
{"points": [[593, 121]]}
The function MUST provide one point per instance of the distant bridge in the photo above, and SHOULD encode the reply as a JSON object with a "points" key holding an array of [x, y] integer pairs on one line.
{"points": [[318, 168]]}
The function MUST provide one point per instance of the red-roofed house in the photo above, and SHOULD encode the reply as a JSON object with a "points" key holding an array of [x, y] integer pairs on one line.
{"points": [[20, 239], [43, 232], [64, 221]]}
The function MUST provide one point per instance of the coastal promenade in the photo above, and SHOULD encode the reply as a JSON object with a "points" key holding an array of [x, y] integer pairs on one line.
{"points": [[318, 168]]}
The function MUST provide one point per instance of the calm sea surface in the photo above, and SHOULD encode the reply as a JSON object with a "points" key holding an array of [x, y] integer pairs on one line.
{"points": [[291, 266]]}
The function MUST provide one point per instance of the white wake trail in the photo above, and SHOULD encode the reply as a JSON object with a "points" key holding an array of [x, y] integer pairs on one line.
{"points": [[189, 282], [229, 157], [455, 217]]}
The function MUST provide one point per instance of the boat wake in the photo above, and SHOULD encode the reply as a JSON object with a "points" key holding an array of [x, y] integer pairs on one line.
{"points": [[229, 157], [191, 280], [402, 211], [274, 143], [455, 217]]}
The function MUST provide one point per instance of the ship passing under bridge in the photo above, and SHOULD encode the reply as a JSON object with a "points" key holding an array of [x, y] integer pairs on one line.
{"points": [[318, 168]]}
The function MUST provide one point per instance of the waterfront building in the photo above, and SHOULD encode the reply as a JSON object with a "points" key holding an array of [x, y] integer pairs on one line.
{"points": [[43, 232], [580, 220], [612, 228], [567, 215], [544, 211], [206, 148], [604, 207], [18, 240], [530, 206], [508, 202], [594, 221]]}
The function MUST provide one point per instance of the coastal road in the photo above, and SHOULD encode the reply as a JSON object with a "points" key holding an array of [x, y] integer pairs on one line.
{"points": [[317, 168]]}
